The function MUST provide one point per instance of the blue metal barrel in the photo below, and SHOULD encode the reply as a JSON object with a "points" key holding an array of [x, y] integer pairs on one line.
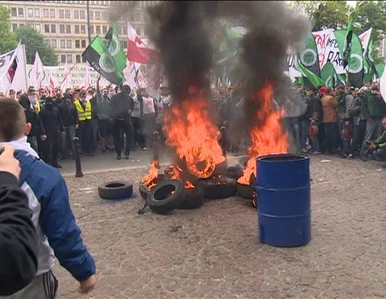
{"points": [[284, 200]]}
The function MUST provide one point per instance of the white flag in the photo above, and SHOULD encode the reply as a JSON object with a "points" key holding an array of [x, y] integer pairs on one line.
{"points": [[37, 72], [20, 81], [8, 67]]}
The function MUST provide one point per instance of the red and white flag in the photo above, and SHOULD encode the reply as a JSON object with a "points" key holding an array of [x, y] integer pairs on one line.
{"points": [[139, 50]]}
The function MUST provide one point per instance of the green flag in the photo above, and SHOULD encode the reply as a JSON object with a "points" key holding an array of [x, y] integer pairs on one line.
{"points": [[355, 62], [380, 68], [315, 80], [369, 58], [347, 44], [100, 59], [115, 48], [329, 75], [309, 54]]}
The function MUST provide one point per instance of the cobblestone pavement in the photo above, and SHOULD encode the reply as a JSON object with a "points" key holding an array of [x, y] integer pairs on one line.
{"points": [[213, 252]]}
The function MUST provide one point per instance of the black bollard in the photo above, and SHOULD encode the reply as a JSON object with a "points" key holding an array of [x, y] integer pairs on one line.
{"points": [[78, 165], [223, 132], [156, 141]]}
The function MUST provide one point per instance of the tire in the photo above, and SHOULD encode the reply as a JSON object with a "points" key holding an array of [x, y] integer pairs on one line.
{"points": [[216, 188], [193, 200], [221, 168], [144, 191], [115, 190], [245, 191], [254, 202], [162, 201], [234, 172]]}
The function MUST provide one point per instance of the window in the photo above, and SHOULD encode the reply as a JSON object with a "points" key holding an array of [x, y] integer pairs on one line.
{"points": [[91, 29], [131, 17], [46, 13], [78, 59], [37, 12], [83, 60], [68, 28], [69, 58], [61, 28], [67, 14], [62, 44], [76, 29], [61, 14], [53, 43], [53, 28], [37, 27], [30, 12], [125, 44], [77, 44], [47, 42], [14, 12], [83, 29], [83, 43], [69, 44], [63, 58], [46, 28], [137, 17], [104, 29], [97, 15], [104, 15], [20, 11], [91, 15], [52, 13], [82, 14], [98, 29], [14, 27], [76, 14], [124, 29]]}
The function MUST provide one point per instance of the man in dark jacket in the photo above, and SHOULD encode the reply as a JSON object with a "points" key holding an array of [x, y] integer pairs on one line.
{"points": [[37, 129], [18, 236], [315, 115], [53, 124], [69, 118], [121, 106]]}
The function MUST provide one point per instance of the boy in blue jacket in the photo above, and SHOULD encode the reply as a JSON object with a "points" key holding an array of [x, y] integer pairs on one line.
{"points": [[58, 233]]}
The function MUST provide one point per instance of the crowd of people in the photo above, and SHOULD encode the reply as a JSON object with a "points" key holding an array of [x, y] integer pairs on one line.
{"points": [[114, 119], [345, 121]]}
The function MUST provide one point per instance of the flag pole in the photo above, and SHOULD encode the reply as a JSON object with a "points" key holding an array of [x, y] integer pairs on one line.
{"points": [[68, 74]]}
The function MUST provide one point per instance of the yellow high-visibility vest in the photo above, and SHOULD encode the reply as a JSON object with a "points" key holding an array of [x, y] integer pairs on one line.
{"points": [[37, 108], [83, 114]]}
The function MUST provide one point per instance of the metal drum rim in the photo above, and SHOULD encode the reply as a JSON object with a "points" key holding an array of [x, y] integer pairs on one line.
{"points": [[297, 158]]}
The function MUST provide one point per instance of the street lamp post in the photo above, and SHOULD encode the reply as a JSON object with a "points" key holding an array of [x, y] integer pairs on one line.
{"points": [[88, 22]]}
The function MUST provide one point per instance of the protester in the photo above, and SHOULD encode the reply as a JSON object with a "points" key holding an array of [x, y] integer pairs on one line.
{"points": [[149, 104], [378, 146], [121, 106], [315, 116], [84, 110], [70, 121], [103, 115], [37, 130], [33, 98], [58, 233], [53, 125], [91, 97], [329, 104], [136, 119], [18, 236]]}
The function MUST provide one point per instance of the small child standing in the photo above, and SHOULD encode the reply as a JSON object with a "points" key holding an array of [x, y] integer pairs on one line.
{"points": [[59, 235]]}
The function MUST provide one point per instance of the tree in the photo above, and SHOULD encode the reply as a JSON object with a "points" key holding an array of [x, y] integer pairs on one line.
{"points": [[7, 37], [371, 14], [323, 14], [33, 42]]}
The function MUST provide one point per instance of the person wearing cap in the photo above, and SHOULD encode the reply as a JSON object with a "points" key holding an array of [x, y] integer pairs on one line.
{"points": [[374, 112]]}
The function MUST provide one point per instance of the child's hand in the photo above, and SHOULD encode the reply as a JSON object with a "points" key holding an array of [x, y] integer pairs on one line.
{"points": [[87, 285]]}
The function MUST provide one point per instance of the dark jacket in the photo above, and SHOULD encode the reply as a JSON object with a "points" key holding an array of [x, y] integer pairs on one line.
{"points": [[94, 107], [315, 108], [37, 128], [120, 105], [51, 120], [18, 237], [375, 105], [68, 114]]}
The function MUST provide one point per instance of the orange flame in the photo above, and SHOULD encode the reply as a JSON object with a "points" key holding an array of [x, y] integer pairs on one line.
{"points": [[268, 138], [189, 185], [189, 130], [149, 180]]}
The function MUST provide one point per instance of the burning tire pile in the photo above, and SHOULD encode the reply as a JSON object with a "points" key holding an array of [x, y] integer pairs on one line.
{"points": [[180, 34]]}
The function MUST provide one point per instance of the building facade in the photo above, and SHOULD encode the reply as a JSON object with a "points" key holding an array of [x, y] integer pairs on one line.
{"points": [[64, 23]]}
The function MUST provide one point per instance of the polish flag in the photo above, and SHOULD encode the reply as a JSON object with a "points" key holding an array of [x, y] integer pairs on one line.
{"points": [[139, 50]]}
